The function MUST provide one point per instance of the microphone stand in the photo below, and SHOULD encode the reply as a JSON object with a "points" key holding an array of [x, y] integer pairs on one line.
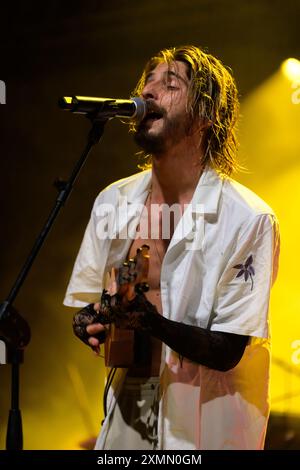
{"points": [[14, 330]]}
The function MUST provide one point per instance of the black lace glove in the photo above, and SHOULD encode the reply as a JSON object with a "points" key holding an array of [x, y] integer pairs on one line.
{"points": [[214, 349], [139, 314], [113, 309], [143, 315], [82, 319]]}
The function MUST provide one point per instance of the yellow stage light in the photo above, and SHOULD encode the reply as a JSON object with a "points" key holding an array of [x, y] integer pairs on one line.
{"points": [[291, 69], [270, 149]]}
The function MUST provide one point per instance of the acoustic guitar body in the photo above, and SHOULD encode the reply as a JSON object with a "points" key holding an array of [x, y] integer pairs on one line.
{"points": [[119, 347]]}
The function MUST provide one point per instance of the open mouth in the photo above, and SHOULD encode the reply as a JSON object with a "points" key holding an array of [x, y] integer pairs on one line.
{"points": [[153, 116]]}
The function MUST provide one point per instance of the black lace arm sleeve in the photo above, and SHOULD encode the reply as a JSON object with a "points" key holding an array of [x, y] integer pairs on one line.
{"points": [[213, 349]]}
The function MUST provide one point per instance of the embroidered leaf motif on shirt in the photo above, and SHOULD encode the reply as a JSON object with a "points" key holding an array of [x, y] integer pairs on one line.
{"points": [[246, 269]]}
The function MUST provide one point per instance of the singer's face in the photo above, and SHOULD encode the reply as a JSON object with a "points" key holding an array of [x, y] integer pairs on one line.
{"points": [[167, 122]]}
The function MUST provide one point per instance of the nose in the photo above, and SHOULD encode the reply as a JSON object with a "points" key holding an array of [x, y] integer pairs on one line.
{"points": [[151, 91]]}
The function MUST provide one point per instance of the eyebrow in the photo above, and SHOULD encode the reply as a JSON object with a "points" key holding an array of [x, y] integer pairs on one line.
{"points": [[168, 73]]}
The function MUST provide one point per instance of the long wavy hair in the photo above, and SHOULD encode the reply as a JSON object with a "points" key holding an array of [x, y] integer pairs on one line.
{"points": [[212, 96]]}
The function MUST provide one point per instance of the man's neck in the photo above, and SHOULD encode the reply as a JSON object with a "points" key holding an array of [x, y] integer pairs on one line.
{"points": [[175, 175]]}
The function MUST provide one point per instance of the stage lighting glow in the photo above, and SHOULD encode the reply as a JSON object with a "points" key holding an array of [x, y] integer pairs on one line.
{"points": [[291, 69], [270, 149]]}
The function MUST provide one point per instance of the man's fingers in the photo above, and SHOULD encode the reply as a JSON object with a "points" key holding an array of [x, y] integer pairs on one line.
{"points": [[94, 342], [95, 345], [95, 328]]}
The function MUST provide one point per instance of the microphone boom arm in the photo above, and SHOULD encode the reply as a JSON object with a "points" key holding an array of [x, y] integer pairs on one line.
{"points": [[104, 108]]}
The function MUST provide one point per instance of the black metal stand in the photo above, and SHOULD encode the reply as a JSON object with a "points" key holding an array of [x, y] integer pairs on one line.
{"points": [[14, 330], [14, 435]]}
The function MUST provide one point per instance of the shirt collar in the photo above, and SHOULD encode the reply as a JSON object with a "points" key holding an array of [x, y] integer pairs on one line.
{"points": [[137, 188], [205, 201], [207, 192]]}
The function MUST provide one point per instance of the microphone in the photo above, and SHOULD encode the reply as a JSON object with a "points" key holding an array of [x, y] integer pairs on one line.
{"points": [[106, 108]]}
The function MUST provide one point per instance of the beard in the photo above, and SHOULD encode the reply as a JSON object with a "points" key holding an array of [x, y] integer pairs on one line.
{"points": [[172, 132]]}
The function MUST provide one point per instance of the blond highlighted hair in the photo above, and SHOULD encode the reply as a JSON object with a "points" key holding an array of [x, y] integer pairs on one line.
{"points": [[212, 96]]}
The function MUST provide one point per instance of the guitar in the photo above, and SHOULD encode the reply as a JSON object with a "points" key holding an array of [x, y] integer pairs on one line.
{"points": [[123, 285]]}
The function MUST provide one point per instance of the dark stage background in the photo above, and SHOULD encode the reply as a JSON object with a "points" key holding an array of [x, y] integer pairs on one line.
{"points": [[96, 48]]}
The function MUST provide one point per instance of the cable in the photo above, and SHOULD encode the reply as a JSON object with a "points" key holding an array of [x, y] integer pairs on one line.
{"points": [[110, 378]]}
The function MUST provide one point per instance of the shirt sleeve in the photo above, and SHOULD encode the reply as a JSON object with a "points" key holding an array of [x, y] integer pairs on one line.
{"points": [[243, 293], [86, 281]]}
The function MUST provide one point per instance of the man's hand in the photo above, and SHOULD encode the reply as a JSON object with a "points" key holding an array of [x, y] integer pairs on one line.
{"points": [[135, 314], [141, 312], [90, 324], [87, 328]]}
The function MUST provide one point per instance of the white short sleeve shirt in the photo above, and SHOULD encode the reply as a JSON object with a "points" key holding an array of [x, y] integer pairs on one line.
{"points": [[216, 274]]}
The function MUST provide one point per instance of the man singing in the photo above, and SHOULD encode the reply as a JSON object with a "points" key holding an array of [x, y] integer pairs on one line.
{"points": [[199, 376]]}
